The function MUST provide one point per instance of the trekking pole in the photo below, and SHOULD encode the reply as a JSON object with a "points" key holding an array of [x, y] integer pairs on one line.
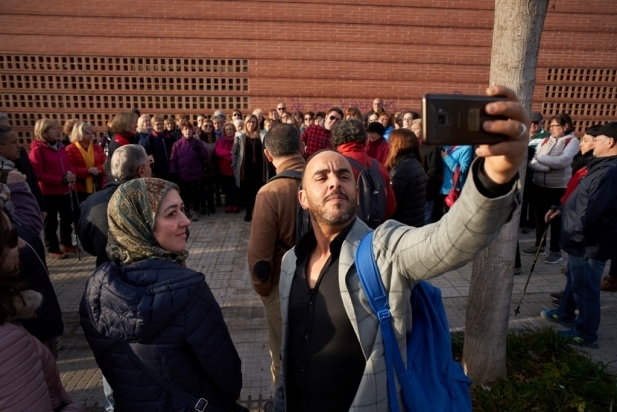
{"points": [[517, 310], [71, 193]]}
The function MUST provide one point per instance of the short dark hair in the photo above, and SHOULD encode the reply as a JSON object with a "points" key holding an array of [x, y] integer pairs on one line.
{"points": [[564, 119], [346, 131], [283, 140], [4, 133], [338, 110]]}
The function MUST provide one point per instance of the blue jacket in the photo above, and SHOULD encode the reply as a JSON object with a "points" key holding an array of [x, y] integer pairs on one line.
{"points": [[461, 156], [589, 215], [169, 315]]}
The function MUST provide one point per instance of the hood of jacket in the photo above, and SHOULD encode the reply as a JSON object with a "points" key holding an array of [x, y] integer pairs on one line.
{"points": [[25, 308], [135, 302]]}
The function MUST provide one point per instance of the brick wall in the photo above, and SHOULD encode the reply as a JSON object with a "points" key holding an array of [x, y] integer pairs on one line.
{"points": [[309, 54]]}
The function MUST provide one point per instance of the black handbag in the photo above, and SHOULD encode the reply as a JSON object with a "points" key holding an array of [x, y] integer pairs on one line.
{"points": [[200, 404]]}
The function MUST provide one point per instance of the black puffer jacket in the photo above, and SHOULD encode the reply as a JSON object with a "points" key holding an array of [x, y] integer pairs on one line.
{"points": [[169, 315], [433, 166], [589, 215], [409, 183]]}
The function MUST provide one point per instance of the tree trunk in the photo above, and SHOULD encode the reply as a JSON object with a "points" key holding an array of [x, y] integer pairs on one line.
{"points": [[516, 41]]}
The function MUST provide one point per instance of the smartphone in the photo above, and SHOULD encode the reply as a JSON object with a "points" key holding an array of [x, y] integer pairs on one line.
{"points": [[456, 119]]}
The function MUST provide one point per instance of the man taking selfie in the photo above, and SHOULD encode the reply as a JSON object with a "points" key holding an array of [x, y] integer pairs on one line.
{"points": [[332, 352]]}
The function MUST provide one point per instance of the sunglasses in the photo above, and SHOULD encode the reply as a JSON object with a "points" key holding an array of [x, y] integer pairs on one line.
{"points": [[281, 108], [13, 239], [332, 118]]}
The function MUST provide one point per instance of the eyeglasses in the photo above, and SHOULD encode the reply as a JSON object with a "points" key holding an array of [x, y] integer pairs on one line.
{"points": [[237, 115], [601, 137], [208, 125], [333, 118], [555, 125], [12, 238]]}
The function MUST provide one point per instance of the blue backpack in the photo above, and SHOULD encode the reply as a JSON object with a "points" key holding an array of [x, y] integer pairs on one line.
{"points": [[432, 380]]}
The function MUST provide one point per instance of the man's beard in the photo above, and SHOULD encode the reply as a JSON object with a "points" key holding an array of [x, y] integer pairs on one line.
{"points": [[318, 211]]}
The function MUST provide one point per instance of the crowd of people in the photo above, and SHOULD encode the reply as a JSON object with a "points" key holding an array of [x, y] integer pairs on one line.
{"points": [[153, 324]]}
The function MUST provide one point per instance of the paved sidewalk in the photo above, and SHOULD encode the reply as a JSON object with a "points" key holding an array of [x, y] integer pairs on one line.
{"points": [[218, 245]]}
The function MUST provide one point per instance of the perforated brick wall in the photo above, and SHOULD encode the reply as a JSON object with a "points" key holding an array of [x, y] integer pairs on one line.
{"points": [[90, 60]]}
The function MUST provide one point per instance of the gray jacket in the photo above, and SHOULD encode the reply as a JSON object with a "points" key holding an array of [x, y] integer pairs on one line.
{"points": [[551, 163], [404, 255]]}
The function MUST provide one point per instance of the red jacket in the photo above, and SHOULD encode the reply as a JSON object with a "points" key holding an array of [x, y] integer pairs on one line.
{"points": [[223, 152], [356, 151], [78, 163], [378, 150], [50, 166]]}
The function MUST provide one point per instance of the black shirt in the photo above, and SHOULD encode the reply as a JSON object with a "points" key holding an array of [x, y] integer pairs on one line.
{"points": [[325, 361]]}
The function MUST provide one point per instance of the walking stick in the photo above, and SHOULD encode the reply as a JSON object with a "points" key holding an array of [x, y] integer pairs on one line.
{"points": [[71, 193], [517, 310]]}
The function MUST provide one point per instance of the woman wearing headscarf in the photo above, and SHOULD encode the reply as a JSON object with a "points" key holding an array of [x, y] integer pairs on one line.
{"points": [[29, 375], [146, 303], [87, 159]]}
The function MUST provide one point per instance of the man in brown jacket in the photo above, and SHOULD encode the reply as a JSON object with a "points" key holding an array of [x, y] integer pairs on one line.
{"points": [[273, 230]]}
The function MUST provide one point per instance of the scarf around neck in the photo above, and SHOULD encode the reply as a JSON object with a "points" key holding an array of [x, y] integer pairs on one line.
{"points": [[131, 214], [88, 156]]}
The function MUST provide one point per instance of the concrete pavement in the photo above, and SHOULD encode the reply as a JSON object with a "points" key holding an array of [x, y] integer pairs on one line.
{"points": [[218, 245]]}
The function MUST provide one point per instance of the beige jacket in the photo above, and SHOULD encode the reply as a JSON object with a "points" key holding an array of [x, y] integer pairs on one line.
{"points": [[404, 255]]}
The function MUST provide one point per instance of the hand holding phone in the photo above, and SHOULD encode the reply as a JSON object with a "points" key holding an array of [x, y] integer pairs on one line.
{"points": [[502, 160], [456, 119]]}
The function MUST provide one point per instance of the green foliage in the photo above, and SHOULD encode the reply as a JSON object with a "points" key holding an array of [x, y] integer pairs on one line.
{"points": [[545, 374]]}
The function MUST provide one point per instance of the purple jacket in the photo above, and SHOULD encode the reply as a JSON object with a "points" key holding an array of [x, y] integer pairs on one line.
{"points": [[187, 159]]}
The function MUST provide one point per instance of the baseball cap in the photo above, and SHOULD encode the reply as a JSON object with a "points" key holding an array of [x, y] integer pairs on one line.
{"points": [[377, 128], [536, 117], [608, 130]]}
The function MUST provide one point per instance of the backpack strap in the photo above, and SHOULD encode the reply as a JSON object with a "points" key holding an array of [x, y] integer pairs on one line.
{"points": [[289, 174], [369, 275], [354, 163]]}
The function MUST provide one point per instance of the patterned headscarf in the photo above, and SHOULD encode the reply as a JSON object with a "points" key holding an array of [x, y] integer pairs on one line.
{"points": [[131, 214]]}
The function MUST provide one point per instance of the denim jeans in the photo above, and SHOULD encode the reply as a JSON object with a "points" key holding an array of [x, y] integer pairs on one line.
{"points": [[583, 293], [428, 212]]}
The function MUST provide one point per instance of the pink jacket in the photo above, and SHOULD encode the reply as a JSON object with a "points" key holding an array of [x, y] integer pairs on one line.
{"points": [[50, 165], [29, 378]]}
